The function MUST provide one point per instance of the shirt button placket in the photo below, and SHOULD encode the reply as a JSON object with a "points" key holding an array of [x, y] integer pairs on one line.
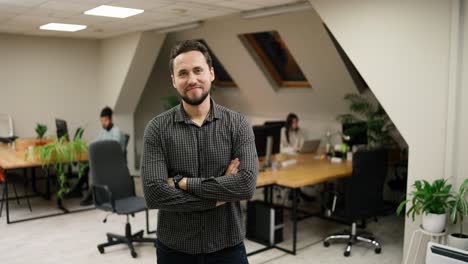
{"points": [[200, 151]]}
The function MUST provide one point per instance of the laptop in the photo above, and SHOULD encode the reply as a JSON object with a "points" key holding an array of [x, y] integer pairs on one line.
{"points": [[310, 146]]}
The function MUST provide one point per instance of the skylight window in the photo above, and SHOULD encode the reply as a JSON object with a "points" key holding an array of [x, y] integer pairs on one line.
{"points": [[277, 59]]}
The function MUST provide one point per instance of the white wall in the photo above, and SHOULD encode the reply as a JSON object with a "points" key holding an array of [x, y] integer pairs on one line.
{"points": [[115, 57], [139, 70], [125, 63], [44, 78], [461, 146], [402, 49]]}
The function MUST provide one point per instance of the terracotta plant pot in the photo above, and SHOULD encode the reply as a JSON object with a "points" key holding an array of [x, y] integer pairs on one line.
{"points": [[40, 142]]}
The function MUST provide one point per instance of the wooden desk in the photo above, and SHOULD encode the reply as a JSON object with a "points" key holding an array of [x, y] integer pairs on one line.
{"points": [[11, 159], [307, 171]]}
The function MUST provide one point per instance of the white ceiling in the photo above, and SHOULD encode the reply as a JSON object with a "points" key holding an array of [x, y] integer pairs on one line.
{"points": [[25, 16]]}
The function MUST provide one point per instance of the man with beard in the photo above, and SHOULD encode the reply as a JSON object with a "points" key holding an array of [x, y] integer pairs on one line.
{"points": [[109, 131], [199, 161]]}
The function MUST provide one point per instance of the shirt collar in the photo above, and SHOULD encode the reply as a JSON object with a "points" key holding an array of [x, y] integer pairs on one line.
{"points": [[181, 115]]}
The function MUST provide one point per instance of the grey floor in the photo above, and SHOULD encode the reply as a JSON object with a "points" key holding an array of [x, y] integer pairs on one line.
{"points": [[73, 238]]}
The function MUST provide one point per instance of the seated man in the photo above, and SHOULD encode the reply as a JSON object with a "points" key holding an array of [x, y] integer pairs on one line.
{"points": [[109, 131]]}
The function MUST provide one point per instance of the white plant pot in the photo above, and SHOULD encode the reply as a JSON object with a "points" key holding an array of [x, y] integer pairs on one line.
{"points": [[456, 242], [434, 223]]}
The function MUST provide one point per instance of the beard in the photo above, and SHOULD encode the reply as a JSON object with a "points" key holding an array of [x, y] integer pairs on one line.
{"points": [[195, 101]]}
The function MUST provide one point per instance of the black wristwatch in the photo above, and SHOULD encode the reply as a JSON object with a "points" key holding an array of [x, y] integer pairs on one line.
{"points": [[176, 180]]}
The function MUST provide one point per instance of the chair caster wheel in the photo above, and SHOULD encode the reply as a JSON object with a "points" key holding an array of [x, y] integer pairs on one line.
{"points": [[101, 250], [378, 250], [134, 254], [326, 244], [347, 253]]}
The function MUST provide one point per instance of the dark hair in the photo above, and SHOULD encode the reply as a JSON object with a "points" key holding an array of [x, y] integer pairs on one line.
{"points": [[289, 120], [186, 46], [106, 112]]}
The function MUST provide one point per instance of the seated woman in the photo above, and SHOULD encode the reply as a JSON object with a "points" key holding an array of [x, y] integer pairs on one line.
{"points": [[292, 139]]}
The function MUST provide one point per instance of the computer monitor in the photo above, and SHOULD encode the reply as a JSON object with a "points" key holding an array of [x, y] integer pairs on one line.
{"points": [[62, 129], [357, 131], [281, 123], [262, 133]]}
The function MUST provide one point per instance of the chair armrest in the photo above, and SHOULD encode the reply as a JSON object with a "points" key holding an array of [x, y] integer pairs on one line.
{"points": [[105, 190]]}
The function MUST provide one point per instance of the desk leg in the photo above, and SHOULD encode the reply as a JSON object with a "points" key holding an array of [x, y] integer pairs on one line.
{"points": [[294, 219], [47, 194], [3, 200], [7, 207], [270, 195], [33, 179]]}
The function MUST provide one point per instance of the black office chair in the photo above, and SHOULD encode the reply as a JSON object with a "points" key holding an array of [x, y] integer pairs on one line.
{"points": [[361, 197], [114, 191]]}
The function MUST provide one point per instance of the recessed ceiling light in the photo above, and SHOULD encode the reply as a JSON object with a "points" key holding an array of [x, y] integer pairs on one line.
{"points": [[113, 11], [62, 27]]}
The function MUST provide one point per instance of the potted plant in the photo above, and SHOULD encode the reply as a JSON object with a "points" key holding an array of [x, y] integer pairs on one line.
{"points": [[61, 153], [458, 211], [40, 129], [430, 200], [378, 123], [170, 101]]}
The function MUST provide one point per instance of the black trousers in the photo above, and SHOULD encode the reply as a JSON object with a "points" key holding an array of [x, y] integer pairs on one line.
{"points": [[231, 255]]}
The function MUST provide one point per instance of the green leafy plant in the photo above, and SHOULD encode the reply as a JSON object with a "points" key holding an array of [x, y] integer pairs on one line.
{"points": [[379, 124], [60, 154], [428, 198], [40, 129], [459, 206], [170, 101]]}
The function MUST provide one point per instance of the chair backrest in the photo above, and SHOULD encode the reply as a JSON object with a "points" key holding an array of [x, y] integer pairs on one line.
{"points": [[6, 126], [108, 167], [364, 189], [127, 139]]}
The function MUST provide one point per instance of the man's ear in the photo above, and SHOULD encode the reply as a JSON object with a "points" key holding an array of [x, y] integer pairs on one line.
{"points": [[212, 74], [173, 81]]}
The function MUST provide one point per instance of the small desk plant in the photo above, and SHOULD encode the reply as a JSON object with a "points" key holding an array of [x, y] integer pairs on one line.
{"points": [[40, 129]]}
